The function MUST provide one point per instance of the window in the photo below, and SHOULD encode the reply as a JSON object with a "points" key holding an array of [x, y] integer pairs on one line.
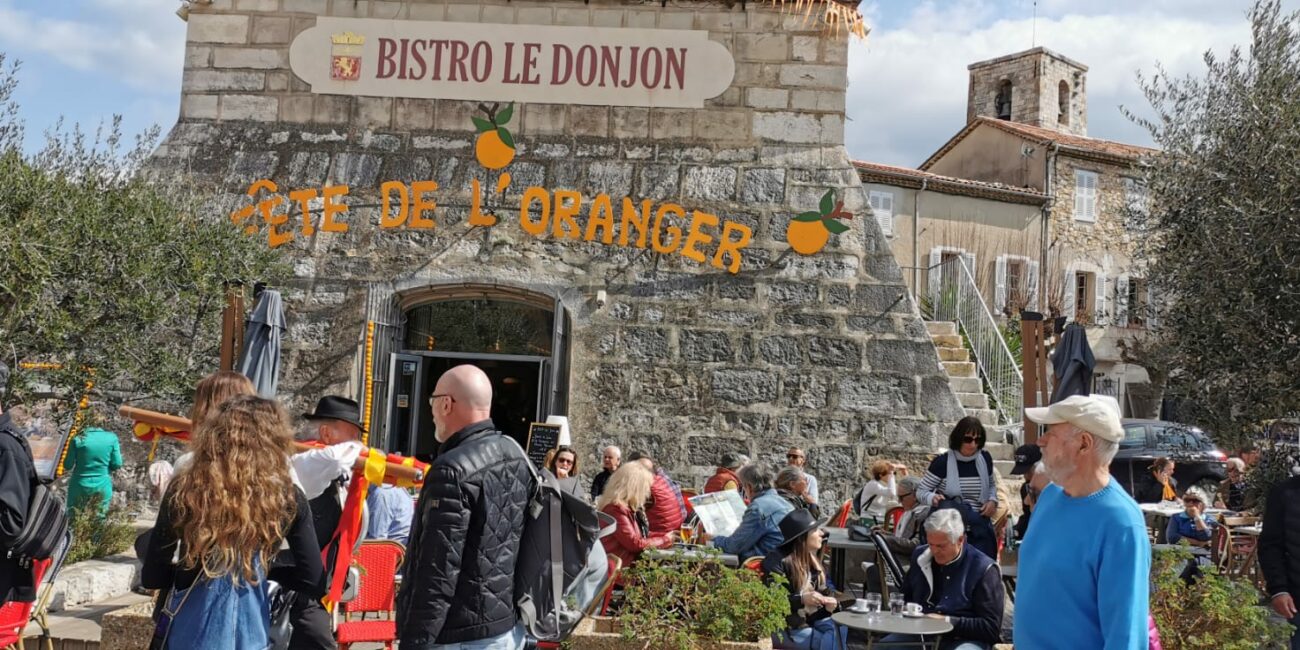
{"points": [[1136, 301], [1016, 279], [1082, 291], [1135, 437], [1085, 195], [1135, 203], [480, 326], [1015, 283], [1002, 101], [1086, 303], [1063, 103], [882, 205]]}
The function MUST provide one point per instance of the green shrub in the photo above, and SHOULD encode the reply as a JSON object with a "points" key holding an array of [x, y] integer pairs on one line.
{"points": [[94, 536], [1214, 613], [672, 604]]}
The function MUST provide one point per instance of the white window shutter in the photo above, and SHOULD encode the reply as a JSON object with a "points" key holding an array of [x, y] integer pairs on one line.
{"points": [[969, 260], [1031, 284], [1000, 284], [1067, 305], [882, 206], [1085, 195], [1092, 197], [936, 274], [1121, 301], [1099, 299]]}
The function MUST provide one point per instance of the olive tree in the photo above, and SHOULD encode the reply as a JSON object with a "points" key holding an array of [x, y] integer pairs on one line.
{"points": [[1223, 229], [103, 271]]}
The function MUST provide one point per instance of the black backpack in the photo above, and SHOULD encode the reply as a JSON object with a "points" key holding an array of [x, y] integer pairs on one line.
{"points": [[47, 519], [561, 565]]}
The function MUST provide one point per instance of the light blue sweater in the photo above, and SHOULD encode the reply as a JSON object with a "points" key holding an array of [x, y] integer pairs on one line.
{"points": [[1084, 571]]}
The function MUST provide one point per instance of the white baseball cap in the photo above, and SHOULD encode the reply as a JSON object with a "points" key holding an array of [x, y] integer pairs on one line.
{"points": [[1096, 414]]}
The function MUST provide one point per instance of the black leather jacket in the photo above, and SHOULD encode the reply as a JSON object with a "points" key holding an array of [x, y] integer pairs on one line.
{"points": [[16, 477], [458, 580], [1279, 546]]}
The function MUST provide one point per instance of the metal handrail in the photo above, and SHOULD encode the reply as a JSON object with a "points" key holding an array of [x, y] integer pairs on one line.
{"points": [[955, 297]]}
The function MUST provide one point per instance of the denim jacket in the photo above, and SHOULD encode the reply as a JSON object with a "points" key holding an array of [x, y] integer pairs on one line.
{"points": [[759, 531]]}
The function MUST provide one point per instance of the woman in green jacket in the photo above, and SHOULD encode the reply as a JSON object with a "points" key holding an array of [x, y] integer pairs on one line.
{"points": [[92, 457]]}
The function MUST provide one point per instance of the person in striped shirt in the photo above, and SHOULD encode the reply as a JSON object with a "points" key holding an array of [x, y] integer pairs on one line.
{"points": [[964, 478]]}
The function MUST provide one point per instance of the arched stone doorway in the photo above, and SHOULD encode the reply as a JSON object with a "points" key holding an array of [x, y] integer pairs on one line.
{"points": [[520, 338]]}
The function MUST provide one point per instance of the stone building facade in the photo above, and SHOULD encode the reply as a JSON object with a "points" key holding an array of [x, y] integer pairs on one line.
{"points": [[681, 355], [1085, 266], [1038, 87]]}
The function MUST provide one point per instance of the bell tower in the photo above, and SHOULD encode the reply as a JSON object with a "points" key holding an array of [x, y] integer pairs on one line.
{"points": [[1037, 87]]}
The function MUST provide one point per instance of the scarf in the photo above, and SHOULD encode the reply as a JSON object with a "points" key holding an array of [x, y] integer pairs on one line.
{"points": [[1168, 494], [952, 483]]}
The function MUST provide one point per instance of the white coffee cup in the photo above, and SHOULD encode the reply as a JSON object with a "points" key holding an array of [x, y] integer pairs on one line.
{"points": [[913, 609], [860, 604]]}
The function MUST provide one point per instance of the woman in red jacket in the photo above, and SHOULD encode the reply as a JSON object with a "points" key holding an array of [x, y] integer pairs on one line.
{"points": [[624, 499]]}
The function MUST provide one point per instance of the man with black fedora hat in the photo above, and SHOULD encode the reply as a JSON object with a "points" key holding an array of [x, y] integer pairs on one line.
{"points": [[324, 473]]}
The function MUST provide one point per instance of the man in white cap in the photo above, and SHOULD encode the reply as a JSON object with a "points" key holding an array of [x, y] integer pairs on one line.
{"points": [[1086, 560]]}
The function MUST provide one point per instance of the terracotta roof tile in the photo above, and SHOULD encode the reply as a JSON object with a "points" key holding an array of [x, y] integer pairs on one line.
{"points": [[947, 184], [1076, 144]]}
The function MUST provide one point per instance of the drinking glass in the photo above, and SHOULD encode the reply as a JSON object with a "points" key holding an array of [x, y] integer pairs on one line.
{"points": [[873, 603], [688, 533], [896, 603]]}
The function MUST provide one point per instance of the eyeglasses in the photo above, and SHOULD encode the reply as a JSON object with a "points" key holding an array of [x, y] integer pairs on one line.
{"points": [[564, 461], [971, 439], [796, 456], [434, 397], [905, 494]]}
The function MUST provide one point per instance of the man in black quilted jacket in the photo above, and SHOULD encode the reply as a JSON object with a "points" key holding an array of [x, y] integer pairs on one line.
{"points": [[16, 472], [1279, 550], [458, 583]]}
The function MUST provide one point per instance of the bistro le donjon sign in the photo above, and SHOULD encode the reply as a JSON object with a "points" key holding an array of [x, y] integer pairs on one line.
{"points": [[512, 63]]}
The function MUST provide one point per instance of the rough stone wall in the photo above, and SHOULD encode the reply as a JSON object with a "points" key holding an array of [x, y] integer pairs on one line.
{"points": [[1035, 81], [684, 361]]}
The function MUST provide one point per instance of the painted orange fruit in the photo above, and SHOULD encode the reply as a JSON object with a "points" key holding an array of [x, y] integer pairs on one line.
{"points": [[807, 237], [492, 152]]}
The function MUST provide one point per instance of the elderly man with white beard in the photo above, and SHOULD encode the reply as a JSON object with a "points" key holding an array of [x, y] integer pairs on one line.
{"points": [[1086, 560]]}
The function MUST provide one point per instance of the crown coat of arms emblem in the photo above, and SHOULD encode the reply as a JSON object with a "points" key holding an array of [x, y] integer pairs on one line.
{"points": [[345, 56]]}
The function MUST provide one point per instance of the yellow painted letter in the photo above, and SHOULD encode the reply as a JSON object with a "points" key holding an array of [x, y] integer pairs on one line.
{"points": [[675, 233], [567, 204], [304, 197], [422, 205], [633, 219], [731, 246], [403, 208], [331, 208], [601, 216], [476, 216], [530, 195], [691, 249]]}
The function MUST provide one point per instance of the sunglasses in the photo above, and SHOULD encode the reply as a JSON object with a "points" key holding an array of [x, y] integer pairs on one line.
{"points": [[564, 461], [795, 456], [972, 439]]}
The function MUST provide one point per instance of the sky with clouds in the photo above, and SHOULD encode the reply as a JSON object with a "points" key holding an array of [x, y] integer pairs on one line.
{"points": [[87, 60]]}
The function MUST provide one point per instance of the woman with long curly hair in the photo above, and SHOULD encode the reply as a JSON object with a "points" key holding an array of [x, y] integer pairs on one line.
{"points": [[221, 523], [213, 391]]}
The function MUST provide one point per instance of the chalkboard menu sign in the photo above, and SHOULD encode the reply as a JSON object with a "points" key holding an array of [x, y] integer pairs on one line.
{"points": [[542, 438]]}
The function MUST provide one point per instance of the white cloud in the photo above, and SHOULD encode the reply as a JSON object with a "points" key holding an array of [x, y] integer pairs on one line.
{"points": [[908, 85], [138, 42]]}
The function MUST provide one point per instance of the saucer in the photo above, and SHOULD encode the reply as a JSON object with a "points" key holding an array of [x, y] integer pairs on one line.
{"points": [[856, 610], [911, 615]]}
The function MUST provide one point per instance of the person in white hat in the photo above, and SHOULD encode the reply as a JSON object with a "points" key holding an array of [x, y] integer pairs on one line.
{"points": [[1085, 562]]}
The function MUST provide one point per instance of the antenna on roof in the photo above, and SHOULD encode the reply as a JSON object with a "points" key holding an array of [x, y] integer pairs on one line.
{"points": [[1033, 38]]}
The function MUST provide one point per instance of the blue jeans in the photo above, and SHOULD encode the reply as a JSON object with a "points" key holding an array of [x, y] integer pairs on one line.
{"points": [[512, 640], [818, 636], [1295, 637], [946, 645]]}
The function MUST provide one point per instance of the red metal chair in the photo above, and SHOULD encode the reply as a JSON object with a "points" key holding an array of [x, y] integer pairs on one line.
{"points": [[842, 517], [687, 493], [379, 561], [894, 515], [15, 616]]}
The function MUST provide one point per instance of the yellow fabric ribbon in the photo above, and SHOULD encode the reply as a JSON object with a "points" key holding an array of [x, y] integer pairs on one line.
{"points": [[1168, 494]]}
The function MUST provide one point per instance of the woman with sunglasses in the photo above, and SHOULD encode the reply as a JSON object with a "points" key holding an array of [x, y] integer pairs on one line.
{"points": [[1191, 525], [563, 463], [964, 478]]}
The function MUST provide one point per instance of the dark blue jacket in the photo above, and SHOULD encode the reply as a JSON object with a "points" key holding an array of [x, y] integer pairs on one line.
{"points": [[970, 592]]}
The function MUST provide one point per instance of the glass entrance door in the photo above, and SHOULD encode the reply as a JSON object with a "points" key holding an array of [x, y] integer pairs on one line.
{"points": [[406, 401]]}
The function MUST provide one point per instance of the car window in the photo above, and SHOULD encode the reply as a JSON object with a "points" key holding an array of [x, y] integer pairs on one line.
{"points": [[1177, 439], [1135, 437]]}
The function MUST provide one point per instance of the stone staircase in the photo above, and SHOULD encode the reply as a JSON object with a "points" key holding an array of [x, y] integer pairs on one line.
{"points": [[962, 374]]}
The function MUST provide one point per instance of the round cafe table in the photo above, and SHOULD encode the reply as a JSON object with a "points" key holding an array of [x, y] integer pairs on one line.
{"points": [[886, 623]]}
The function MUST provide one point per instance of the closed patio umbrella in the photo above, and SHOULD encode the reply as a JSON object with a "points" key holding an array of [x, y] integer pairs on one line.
{"points": [[260, 360], [1072, 364]]}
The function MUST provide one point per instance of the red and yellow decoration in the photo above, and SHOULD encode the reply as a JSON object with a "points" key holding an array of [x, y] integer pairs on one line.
{"points": [[345, 56]]}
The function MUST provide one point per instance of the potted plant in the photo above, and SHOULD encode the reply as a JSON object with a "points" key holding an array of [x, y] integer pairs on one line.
{"points": [[1212, 613], [689, 604]]}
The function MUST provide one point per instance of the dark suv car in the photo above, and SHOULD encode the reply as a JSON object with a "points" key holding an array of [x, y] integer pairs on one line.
{"points": [[1196, 459]]}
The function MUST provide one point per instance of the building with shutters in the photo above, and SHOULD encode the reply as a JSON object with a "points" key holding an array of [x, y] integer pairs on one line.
{"points": [[1026, 144]]}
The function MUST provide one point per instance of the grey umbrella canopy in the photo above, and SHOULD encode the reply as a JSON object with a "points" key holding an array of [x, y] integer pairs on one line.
{"points": [[1072, 364], [260, 360]]}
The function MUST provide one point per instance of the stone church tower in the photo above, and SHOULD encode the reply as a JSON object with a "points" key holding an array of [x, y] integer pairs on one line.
{"points": [[1037, 87]]}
